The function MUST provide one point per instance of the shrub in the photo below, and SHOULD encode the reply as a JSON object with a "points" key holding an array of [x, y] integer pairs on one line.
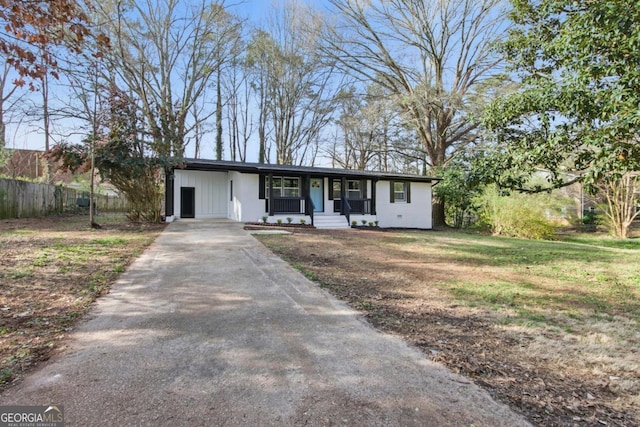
{"points": [[515, 215], [376, 223], [370, 224], [354, 223], [289, 220], [264, 219], [303, 221], [279, 220], [364, 221]]}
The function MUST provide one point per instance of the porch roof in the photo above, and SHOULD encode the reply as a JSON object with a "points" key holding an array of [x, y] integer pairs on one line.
{"points": [[260, 168]]}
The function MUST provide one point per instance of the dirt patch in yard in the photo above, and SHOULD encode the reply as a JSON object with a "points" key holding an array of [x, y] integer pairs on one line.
{"points": [[563, 356], [51, 270]]}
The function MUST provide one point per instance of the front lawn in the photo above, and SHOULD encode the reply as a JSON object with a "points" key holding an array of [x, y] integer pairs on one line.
{"points": [[550, 327], [51, 270]]}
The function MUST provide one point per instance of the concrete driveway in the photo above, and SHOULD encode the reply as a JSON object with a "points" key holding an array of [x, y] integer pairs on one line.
{"points": [[210, 328]]}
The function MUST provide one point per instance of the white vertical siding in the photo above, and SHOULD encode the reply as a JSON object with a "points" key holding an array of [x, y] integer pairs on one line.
{"points": [[246, 204], [212, 192]]}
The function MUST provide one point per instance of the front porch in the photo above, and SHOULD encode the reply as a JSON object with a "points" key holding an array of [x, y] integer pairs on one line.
{"points": [[249, 192], [314, 196], [302, 205]]}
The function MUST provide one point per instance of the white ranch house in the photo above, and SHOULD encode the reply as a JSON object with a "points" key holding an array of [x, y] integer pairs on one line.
{"points": [[324, 197]]}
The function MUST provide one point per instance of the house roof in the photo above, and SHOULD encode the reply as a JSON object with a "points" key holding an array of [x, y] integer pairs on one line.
{"points": [[224, 165]]}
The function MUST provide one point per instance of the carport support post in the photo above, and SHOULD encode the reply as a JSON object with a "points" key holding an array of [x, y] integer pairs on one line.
{"points": [[270, 194], [168, 193]]}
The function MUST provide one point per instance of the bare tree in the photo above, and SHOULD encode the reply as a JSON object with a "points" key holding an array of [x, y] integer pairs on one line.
{"points": [[240, 125], [168, 55], [429, 54], [297, 82], [622, 193], [258, 54], [369, 130]]}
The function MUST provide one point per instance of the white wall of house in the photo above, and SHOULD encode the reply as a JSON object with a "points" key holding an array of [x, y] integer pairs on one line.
{"points": [[245, 205], [234, 195], [211, 192], [416, 214]]}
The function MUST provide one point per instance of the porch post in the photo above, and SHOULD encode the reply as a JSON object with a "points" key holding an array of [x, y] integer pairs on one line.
{"points": [[374, 183], [270, 194], [168, 192], [306, 192], [343, 186]]}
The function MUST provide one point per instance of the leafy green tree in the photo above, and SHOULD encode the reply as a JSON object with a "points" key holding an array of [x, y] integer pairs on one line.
{"points": [[458, 189], [122, 156], [576, 109]]}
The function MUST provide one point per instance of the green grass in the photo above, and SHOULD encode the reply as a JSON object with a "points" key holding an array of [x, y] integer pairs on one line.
{"points": [[566, 312], [307, 273], [109, 241], [577, 275], [21, 274], [55, 268]]}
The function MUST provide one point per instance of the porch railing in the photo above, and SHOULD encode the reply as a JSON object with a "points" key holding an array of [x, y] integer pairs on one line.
{"points": [[280, 205], [309, 207], [356, 206], [345, 209], [361, 206]]}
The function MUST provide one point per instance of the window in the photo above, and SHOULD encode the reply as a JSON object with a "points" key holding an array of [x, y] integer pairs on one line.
{"points": [[291, 187], [400, 192], [353, 190], [336, 189], [283, 187]]}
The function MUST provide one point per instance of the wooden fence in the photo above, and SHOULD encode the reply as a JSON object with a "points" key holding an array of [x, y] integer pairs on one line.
{"points": [[23, 199]]}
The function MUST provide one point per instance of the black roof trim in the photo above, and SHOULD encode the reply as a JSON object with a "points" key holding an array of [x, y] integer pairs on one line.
{"points": [[225, 165]]}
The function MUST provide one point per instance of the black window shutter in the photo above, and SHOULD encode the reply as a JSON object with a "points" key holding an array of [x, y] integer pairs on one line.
{"points": [[408, 192], [261, 186], [363, 188], [392, 192]]}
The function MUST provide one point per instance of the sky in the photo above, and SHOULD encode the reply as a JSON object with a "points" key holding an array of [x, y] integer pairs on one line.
{"points": [[26, 135]]}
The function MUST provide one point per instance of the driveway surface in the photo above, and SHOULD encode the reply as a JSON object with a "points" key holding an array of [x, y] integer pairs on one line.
{"points": [[209, 328]]}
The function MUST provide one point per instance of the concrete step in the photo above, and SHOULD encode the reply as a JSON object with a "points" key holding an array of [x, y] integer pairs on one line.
{"points": [[330, 222]]}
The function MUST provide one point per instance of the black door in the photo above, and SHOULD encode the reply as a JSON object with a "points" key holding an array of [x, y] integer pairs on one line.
{"points": [[187, 202]]}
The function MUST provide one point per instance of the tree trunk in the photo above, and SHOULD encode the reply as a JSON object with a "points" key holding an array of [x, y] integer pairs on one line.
{"points": [[219, 119], [438, 214]]}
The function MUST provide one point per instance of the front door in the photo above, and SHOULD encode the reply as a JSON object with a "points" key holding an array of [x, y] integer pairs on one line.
{"points": [[187, 202], [317, 194]]}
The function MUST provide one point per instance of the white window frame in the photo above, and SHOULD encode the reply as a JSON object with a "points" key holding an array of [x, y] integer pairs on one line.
{"points": [[350, 190], [400, 196]]}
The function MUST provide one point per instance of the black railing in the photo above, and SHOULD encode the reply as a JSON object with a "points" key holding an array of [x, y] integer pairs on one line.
{"points": [[361, 206], [346, 209], [293, 205], [356, 206], [309, 207]]}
